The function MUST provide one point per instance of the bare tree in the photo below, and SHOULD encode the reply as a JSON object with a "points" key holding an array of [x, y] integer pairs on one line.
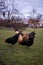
{"points": [[37, 19]]}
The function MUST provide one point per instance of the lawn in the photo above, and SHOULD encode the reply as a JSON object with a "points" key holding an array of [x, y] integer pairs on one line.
{"points": [[21, 55]]}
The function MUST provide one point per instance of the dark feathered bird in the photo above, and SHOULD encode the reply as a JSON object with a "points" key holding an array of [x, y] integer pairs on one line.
{"points": [[29, 41], [14, 39]]}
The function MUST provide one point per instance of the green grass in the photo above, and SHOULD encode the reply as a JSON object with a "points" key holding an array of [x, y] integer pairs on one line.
{"points": [[21, 55]]}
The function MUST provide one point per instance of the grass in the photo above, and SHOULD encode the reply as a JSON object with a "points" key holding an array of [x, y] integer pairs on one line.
{"points": [[21, 55]]}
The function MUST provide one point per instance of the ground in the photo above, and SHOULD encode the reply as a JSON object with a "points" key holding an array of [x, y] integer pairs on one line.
{"points": [[21, 55]]}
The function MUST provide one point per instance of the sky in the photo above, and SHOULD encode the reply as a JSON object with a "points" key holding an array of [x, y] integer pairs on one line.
{"points": [[25, 6]]}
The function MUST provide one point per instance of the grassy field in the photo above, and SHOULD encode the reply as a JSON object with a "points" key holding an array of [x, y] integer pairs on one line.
{"points": [[21, 55]]}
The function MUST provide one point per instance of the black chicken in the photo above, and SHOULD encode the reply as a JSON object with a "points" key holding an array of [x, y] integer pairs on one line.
{"points": [[29, 41], [13, 40]]}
